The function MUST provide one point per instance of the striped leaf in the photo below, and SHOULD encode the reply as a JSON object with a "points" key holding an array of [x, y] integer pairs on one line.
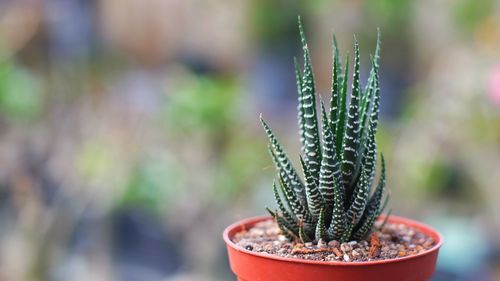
{"points": [[338, 221], [373, 72], [312, 149], [301, 120], [340, 126], [282, 225], [336, 87], [314, 199], [346, 235], [351, 141], [365, 225], [285, 210], [361, 192], [330, 171], [320, 232], [376, 198], [360, 198], [374, 208], [304, 238], [371, 108], [284, 165], [297, 208]]}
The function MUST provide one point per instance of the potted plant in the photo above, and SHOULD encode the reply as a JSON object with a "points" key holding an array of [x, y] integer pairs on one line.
{"points": [[328, 225]]}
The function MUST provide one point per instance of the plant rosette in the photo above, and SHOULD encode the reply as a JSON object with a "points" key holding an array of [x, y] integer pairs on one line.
{"points": [[248, 265], [338, 198]]}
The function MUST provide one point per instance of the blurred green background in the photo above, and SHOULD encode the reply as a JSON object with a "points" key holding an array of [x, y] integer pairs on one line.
{"points": [[129, 133]]}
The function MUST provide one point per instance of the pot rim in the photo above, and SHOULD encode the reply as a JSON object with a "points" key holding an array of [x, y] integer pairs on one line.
{"points": [[394, 219]]}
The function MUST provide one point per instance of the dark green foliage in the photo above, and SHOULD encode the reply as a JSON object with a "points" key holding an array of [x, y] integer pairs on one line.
{"points": [[336, 198]]}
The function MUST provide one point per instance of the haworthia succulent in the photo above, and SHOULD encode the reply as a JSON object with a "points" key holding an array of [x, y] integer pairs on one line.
{"points": [[333, 200]]}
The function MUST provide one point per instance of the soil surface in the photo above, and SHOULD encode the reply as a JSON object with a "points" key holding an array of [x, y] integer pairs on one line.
{"points": [[391, 242]]}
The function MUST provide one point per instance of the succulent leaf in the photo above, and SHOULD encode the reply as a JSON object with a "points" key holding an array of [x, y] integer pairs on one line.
{"points": [[340, 127], [304, 238], [312, 148], [330, 171], [284, 165], [282, 225], [336, 88], [300, 110], [314, 198], [320, 232], [351, 140], [290, 220], [298, 209]]}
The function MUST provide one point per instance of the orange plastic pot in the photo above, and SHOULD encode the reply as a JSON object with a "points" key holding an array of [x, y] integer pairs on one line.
{"points": [[251, 266]]}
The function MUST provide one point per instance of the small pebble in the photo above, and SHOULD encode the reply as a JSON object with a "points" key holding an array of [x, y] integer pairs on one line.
{"points": [[257, 231], [322, 244], [345, 247], [406, 238], [346, 257]]}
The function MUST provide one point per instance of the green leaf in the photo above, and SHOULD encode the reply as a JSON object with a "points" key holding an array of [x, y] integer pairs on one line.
{"points": [[340, 127], [304, 238], [289, 234], [284, 165], [301, 120], [320, 232], [360, 195], [330, 171], [312, 149], [351, 138], [314, 199], [336, 87], [374, 208], [346, 235], [298, 209], [372, 105], [338, 222], [291, 222]]}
